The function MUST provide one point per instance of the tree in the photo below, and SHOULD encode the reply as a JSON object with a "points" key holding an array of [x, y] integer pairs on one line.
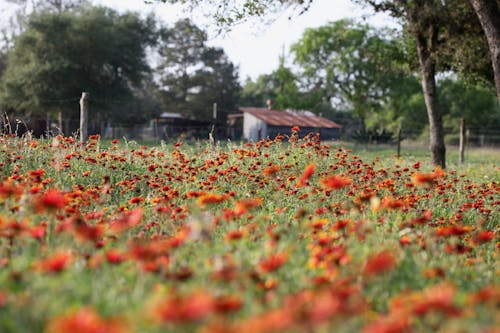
{"points": [[60, 6], [59, 55], [350, 64], [488, 12], [474, 103], [425, 20], [280, 87], [24, 8], [256, 93], [193, 75]]}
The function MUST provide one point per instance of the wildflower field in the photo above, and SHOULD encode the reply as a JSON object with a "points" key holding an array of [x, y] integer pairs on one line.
{"points": [[294, 236]]}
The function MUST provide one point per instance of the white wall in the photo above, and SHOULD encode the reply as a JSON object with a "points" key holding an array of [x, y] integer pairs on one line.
{"points": [[251, 127]]}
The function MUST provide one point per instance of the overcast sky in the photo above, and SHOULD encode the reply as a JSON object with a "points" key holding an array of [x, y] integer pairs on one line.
{"points": [[255, 46]]}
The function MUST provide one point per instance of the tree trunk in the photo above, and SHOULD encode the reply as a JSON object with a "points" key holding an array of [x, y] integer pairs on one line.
{"points": [[428, 68], [488, 12]]}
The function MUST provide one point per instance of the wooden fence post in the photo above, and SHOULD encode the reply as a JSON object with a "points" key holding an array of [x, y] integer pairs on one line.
{"points": [[84, 110], [60, 123], [400, 126], [461, 144]]}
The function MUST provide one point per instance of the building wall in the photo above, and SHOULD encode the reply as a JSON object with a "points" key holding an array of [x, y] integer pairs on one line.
{"points": [[254, 129]]}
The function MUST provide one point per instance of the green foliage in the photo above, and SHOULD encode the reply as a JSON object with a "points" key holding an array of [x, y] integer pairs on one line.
{"points": [[281, 87], [193, 75], [94, 49], [477, 104], [351, 64]]}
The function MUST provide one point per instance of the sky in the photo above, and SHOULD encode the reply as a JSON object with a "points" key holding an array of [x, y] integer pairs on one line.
{"points": [[254, 46]]}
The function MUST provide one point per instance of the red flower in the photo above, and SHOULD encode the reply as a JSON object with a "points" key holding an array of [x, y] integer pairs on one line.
{"points": [[135, 200], [438, 298], [427, 217], [295, 129], [176, 308], [129, 219], [50, 200], [55, 264], [234, 235], [114, 257], [273, 262], [380, 262], [224, 304], [484, 236], [38, 232]]}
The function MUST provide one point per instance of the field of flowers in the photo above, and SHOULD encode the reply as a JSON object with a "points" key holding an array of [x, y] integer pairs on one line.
{"points": [[279, 235]]}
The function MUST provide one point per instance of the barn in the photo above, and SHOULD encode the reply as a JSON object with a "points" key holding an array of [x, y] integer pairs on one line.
{"points": [[259, 123]]}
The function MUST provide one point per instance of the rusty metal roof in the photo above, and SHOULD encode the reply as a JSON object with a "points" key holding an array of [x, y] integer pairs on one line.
{"points": [[290, 118]]}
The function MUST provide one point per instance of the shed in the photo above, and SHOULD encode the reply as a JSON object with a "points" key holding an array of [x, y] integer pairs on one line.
{"points": [[171, 125], [259, 123]]}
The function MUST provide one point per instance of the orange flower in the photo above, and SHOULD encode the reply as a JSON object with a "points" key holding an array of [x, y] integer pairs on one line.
{"points": [[211, 198], [335, 182], [8, 189], [4, 298], [428, 179], [244, 205], [391, 203], [380, 262], [453, 230], [308, 172], [295, 129], [85, 320], [388, 324], [271, 170]]}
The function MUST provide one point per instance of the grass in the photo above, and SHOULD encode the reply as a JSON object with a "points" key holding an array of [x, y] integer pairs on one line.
{"points": [[271, 236]]}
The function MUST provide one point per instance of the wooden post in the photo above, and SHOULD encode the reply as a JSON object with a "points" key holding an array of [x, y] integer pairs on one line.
{"points": [[461, 147], [60, 123], [47, 124], [400, 126], [84, 110]]}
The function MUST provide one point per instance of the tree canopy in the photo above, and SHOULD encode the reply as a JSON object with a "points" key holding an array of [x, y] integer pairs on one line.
{"points": [[350, 63], [432, 25], [193, 75], [59, 55]]}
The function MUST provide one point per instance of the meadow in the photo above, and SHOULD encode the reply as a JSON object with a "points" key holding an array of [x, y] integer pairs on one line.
{"points": [[282, 235]]}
